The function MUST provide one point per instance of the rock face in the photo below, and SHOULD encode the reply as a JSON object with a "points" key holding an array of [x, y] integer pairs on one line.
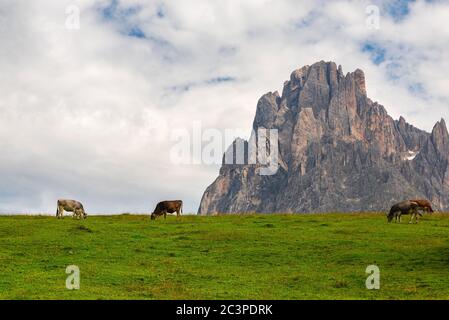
{"points": [[338, 151]]}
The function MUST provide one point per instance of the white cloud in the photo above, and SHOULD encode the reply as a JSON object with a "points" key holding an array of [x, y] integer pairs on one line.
{"points": [[87, 113]]}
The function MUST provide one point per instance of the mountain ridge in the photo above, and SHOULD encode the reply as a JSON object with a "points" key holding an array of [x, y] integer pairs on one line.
{"points": [[338, 151]]}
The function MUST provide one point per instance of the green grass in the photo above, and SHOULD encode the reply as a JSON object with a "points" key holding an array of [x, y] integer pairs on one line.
{"points": [[224, 257]]}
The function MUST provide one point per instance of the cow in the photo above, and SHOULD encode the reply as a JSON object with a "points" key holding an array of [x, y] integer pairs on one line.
{"points": [[424, 205], [70, 206], [403, 208], [165, 207]]}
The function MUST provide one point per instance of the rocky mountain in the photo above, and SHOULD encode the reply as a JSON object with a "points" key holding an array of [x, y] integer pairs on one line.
{"points": [[338, 151]]}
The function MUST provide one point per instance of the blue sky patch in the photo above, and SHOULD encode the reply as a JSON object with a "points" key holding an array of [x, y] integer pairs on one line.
{"points": [[376, 52], [122, 16], [136, 32], [113, 11], [394, 71], [398, 9], [418, 90]]}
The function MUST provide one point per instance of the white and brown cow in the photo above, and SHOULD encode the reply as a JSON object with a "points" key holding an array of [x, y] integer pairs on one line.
{"points": [[70, 206]]}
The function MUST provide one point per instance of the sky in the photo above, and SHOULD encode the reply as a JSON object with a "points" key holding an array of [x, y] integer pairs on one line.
{"points": [[94, 93]]}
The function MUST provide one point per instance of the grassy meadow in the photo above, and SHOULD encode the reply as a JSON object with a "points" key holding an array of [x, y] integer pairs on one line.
{"points": [[320, 256]]}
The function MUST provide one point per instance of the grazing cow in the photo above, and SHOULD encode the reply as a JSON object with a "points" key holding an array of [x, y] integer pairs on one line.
{"points": [[165, 207], [424, 205], [403, 208], [70, 206]]}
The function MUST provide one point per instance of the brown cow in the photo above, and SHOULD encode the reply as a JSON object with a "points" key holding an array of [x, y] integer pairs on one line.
{"points": [[424, 205], [165, 207]]}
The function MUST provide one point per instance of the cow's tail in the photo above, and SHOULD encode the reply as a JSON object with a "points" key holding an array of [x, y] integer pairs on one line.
{"points": [[181, 206]]}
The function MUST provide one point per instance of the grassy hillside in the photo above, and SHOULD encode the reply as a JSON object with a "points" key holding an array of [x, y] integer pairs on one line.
{"points": [[224, 257]]}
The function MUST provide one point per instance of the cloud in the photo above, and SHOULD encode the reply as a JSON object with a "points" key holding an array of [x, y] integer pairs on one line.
{"points": [[89, 113]]}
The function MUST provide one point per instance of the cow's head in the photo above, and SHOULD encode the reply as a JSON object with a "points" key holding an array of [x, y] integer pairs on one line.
{"points": [[390, 216]]}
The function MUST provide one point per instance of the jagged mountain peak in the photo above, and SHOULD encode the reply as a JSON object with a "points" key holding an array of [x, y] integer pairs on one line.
{"points": [[440, 136], [338, 151], [440, 128]]}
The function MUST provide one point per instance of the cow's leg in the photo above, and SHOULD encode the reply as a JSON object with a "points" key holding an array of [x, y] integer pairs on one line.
{"points": [[416, 214], [165, 215], [61, 212], [178, 213]]}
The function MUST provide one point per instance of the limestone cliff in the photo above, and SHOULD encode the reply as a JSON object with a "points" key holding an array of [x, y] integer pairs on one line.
{"points": [[338, 151]]}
